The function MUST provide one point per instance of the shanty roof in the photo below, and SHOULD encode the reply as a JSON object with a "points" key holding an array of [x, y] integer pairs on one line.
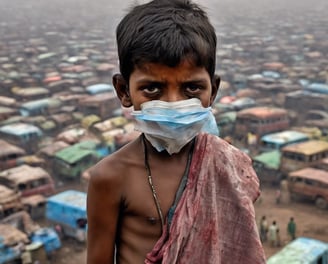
{"points": [[270, 159], [300, 250], [51, 149], [262, 112], [98, 98], [8, 149], [23, 173], [7, 195], [12, 235], [46, 102], [73, 154], [311, 174], [30, 91], [100, 88], [284, 137], [307, 148], [70, 198], [7, 110], [7, 101], [318, 88], [19, 129]]}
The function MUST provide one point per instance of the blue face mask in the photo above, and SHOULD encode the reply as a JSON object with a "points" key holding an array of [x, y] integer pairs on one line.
{"points": [[171, 125]]}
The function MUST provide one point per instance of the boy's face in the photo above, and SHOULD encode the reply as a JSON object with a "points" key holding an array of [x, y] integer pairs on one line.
{"points": [[155, 81]]}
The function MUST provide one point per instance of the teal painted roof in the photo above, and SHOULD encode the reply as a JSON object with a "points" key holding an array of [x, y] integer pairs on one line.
{"points": [[73, 154], [300, 251], [87, 144], [270, 159], [283, 137]]}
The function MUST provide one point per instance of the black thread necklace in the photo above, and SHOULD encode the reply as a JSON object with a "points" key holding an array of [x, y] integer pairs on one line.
{"points": [[150, 179]]}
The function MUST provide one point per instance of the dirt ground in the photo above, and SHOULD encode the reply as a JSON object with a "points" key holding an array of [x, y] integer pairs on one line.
{"points": [[310, 221]]}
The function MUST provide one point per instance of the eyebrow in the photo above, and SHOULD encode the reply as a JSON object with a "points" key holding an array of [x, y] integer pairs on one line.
{"points": [[153, 81]]}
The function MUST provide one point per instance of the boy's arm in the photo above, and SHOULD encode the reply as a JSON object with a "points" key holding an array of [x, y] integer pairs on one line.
{"points": [[103, 203]]}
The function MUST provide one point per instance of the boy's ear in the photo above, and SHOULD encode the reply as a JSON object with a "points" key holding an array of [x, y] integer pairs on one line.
{"points": [[122, 90], [215, 87]]}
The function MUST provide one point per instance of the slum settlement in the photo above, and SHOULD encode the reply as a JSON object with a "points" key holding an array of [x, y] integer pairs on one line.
{"points": [[59, 115]]}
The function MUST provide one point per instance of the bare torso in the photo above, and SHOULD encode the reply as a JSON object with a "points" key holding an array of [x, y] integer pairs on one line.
{"points": [[131, 209]]}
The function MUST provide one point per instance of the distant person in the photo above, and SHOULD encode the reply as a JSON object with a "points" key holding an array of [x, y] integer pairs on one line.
{"points": [[263, 229], [273, 234], [26, 257], [178, 193], [81, 230], [291, 228], [59, 231]]}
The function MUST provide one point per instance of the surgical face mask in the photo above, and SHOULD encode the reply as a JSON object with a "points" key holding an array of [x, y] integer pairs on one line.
{"points": [[171, 125]]}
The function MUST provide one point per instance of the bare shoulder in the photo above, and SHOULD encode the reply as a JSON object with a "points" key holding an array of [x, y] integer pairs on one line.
{"points": [[106, 189], [114, 168]]}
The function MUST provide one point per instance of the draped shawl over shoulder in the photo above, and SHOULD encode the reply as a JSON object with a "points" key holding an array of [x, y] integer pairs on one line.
{"points": [[214, 221]]}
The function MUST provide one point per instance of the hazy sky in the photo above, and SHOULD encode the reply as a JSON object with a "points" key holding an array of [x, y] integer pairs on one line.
{"points": [[107, 13]]}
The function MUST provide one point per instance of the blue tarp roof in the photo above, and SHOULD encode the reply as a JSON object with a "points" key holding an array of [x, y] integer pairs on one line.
{"points": [[99, 88], [19, 129], [301, 250], [317, 88], [271, 74], [283, 137], [46, 102], [70, 198]]}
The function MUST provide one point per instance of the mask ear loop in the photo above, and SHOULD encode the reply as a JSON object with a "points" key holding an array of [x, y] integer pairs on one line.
{"points": [[150, 181]]}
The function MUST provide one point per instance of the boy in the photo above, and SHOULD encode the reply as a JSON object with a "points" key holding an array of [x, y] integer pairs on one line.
{"points": [[177, 194]]}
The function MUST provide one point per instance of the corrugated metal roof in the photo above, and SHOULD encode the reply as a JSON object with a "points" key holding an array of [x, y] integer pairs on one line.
{"points": [[30, 91], [98, 98], [7, 110], [46, 102], [301, 250], [89, 120], [262, 112], [48, 55], [51, 149], [318, 88], [284, 137], [20, 129], [73, 154], [7, 195], [308, 147], [23, 173], [270, 159], [7, 149], [311, 173], [70, 198], [100, 88], [12, 235], [88, 144], [8, 101]]}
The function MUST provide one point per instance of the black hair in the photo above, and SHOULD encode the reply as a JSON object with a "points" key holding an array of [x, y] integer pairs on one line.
{"points": [[166, 31]]}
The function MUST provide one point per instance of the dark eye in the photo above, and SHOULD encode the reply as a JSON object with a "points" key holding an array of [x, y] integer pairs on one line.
{"points": [[193, 88], [151, 90]]}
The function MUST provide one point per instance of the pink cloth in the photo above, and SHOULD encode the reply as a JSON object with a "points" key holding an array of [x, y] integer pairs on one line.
{"points": [[214, 221]]}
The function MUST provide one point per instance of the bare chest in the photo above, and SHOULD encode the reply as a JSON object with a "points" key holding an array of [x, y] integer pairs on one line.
{"points": [[148, 196]]}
